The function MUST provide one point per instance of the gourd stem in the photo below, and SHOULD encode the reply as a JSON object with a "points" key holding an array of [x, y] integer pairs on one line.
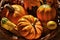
{"points": [[44, 1], [34, 24], [10, 8]]}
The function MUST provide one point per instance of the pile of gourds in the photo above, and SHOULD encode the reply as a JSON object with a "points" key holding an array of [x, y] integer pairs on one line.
{"points": [[17, 20]]}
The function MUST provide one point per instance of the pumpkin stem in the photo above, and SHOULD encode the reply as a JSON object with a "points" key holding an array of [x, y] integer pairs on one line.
{"points": [[44, 1], [34, 24], [10, 8]]}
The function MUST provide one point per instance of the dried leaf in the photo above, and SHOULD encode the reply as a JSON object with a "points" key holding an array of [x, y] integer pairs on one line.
{"points": [[30, 3]]}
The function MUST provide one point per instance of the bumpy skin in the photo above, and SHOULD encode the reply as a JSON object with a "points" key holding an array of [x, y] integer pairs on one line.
{"points": [[18, 13], [29, 27]]}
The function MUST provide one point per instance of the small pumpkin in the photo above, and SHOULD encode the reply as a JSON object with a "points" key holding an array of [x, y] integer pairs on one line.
{"points": [[51, 25], [14, 12], [46, 13], [29, 27]]}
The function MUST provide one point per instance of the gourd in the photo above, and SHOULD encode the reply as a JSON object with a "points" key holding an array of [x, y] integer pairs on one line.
{"points": [[51, 25], [10, 26], [14, 12], [46, 13], [29, 27], [7, 24]]}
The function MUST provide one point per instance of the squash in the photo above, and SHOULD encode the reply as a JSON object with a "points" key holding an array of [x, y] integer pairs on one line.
{"points": [[46, 13], [14, 12], [7, 24], [10, 26], [29, 27], [51, 25]]}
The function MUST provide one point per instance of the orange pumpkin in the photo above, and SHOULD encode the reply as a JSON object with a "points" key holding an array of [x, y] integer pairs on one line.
{"points": [[16, 14], [46, 13], [29, 27]]}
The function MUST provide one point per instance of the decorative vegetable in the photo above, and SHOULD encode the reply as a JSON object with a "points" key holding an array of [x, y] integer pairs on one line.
{"points": [[46, 13], [29, 27], [51, 25], [7, 24], [14, 12]]}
